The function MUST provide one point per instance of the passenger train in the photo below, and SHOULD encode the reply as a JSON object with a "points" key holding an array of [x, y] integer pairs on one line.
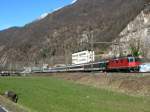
{"points": [[121, 64]]}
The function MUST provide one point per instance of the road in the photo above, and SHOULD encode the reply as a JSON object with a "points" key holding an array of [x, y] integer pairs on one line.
{"points": [[1, 110]]}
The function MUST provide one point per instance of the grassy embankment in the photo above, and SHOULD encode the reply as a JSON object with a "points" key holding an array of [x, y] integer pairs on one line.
{"points": [[40, 94], [12, 107]]}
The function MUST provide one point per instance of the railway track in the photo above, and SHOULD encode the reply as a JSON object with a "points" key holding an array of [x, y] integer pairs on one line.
{"points": [[69, 72]]}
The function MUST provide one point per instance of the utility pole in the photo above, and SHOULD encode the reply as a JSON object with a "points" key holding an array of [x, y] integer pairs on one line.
{"points": [[92, 48], [92, 40]]}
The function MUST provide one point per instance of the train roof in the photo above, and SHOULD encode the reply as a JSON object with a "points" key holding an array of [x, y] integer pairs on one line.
{"points": [[114, 58]]}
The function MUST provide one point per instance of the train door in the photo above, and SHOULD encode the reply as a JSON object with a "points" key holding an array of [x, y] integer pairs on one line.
{"points": [[131, 59]]}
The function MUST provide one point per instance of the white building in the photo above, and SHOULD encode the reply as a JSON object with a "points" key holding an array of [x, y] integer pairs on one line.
{"points": [[83, 57]]}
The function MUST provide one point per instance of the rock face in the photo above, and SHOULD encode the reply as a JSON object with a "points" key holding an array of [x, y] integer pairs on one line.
{"points": [[136, 34], [68, 30]]}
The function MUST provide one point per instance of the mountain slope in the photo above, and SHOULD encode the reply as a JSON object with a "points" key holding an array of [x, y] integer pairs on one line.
{"points": [[67, 30]]}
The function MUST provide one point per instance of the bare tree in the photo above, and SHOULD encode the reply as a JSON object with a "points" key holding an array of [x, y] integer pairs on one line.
{"points": [[135, 46]]}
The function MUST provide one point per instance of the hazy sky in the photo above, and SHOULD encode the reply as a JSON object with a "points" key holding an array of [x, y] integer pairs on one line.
{"points": [[20, 12]]}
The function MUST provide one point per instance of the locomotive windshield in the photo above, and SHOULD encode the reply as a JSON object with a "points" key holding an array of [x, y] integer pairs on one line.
{"points": [[139, 60]]}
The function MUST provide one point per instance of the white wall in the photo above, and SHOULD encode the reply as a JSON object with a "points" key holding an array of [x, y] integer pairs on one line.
{"points": [[83, 57]]}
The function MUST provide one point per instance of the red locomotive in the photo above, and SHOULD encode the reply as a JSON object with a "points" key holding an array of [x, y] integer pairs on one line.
{"points": [[124, 64]]}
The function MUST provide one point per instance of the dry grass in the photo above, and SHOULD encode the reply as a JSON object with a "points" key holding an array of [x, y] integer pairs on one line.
{"points": [[133, 84]]}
